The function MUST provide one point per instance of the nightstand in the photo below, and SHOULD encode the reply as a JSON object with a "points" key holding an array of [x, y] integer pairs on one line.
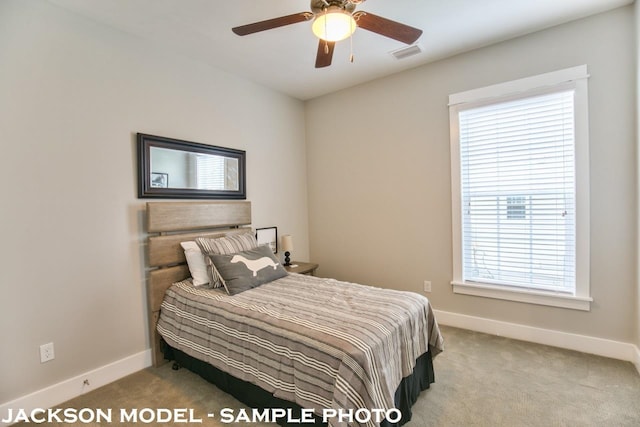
{"points": [[302, 267]]}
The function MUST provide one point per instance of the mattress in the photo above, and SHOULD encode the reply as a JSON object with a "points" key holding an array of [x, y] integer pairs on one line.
{"points": [[321, 343]]}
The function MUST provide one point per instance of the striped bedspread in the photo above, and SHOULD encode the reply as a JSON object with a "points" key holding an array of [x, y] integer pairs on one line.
{"points": [[320, 343]]}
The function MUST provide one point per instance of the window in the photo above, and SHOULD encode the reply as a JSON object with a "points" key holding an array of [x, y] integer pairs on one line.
{"points": [[520, 190], [516, 208], [210, 172]]}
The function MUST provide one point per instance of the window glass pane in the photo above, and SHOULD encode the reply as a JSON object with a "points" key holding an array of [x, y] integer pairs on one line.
{"points": [[517, 167]]}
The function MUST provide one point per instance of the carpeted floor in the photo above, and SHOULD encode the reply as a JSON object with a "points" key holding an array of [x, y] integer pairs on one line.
{"points": [[481, 380], [484, 380]]}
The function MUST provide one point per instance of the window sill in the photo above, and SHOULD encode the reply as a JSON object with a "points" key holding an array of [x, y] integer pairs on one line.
{"points": [[523, 295]]}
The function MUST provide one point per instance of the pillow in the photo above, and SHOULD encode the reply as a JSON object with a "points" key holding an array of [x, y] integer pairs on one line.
{"points": [[228, 244], [196, 262], [248, 269], [225, 245], [190, 245]]}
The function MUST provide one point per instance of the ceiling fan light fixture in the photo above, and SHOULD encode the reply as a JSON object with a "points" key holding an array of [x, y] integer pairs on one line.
{"points": [[334, 24]]}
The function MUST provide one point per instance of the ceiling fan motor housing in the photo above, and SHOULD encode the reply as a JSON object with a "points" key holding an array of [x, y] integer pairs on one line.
{"points": [[319, 6]]}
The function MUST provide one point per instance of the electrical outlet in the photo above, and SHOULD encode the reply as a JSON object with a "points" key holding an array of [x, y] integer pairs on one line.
{"points": [[46, 352], [427, 286]]}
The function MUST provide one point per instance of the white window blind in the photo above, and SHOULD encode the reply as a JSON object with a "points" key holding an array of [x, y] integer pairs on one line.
{"points": [[210, 172], [517, 176]]}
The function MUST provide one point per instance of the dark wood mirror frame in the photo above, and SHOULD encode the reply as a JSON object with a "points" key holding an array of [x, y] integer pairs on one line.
{"points": [[147, 190]]}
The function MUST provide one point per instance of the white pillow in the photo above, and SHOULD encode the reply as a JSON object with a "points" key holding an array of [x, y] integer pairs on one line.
{"points": [[190, 245], [196, 262]]}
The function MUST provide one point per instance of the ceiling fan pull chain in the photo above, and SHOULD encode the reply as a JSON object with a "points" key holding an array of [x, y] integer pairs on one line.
{"points": [[326, 32], [351, 42], [326, 43]]}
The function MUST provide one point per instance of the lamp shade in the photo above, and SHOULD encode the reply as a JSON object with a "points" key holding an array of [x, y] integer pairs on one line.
{"points": [[334, 24], [287, 243]]}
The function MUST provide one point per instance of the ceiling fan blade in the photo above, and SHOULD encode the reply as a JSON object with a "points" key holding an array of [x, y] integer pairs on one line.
{"points": [[387, 27], [325, 53], [256, 27]]}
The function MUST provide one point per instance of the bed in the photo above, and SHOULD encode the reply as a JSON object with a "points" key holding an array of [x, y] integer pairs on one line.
{"points": [[297, 342]]}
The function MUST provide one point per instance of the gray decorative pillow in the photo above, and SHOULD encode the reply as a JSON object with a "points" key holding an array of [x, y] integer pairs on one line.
{"points": [[248, 269], [225, 245]]}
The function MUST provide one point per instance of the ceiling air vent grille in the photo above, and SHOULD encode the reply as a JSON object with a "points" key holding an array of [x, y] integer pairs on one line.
{"points": [[406, 52]]}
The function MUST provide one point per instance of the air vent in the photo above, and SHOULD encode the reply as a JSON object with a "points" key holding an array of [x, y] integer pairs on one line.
{"points": [[406, 52]]}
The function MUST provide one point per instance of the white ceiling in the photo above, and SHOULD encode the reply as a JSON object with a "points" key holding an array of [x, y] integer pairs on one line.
{"points": [[284, 58]]}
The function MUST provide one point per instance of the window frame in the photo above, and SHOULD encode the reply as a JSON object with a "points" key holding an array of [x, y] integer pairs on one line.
{"points": [[575, 78]]}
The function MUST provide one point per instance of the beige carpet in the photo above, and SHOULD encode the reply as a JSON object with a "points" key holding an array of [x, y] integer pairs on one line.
{"points": [[481, 380]]}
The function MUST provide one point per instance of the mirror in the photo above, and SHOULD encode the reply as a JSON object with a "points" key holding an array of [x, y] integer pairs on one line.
{"points": [[171, 168]]}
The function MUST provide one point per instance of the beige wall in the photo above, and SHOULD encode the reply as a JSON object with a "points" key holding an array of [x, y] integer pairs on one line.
{"points": [[72, 96], [379, 174]]}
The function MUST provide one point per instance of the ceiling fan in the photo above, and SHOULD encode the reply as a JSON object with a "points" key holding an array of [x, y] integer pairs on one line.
{"points": [[335, 20]]}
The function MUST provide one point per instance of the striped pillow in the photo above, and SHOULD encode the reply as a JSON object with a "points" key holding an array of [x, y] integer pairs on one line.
{"points": [[227, 245]]}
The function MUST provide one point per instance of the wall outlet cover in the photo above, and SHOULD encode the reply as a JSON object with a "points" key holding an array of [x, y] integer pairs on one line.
{"points": [[46, 352]]}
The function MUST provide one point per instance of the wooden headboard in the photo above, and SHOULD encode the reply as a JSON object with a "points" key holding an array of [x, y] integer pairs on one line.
{"points": [[168, 224]]}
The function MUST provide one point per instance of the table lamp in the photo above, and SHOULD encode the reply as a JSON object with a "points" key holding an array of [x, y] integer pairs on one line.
{"points": [[287, 247]]}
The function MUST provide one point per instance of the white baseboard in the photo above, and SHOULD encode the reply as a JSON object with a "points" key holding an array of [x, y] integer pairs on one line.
{"points": [[583, 343], [73, 387]]}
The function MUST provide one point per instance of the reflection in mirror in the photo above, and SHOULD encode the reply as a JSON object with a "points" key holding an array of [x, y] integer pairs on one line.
{"points": [[193, 170], [181, 169]]}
